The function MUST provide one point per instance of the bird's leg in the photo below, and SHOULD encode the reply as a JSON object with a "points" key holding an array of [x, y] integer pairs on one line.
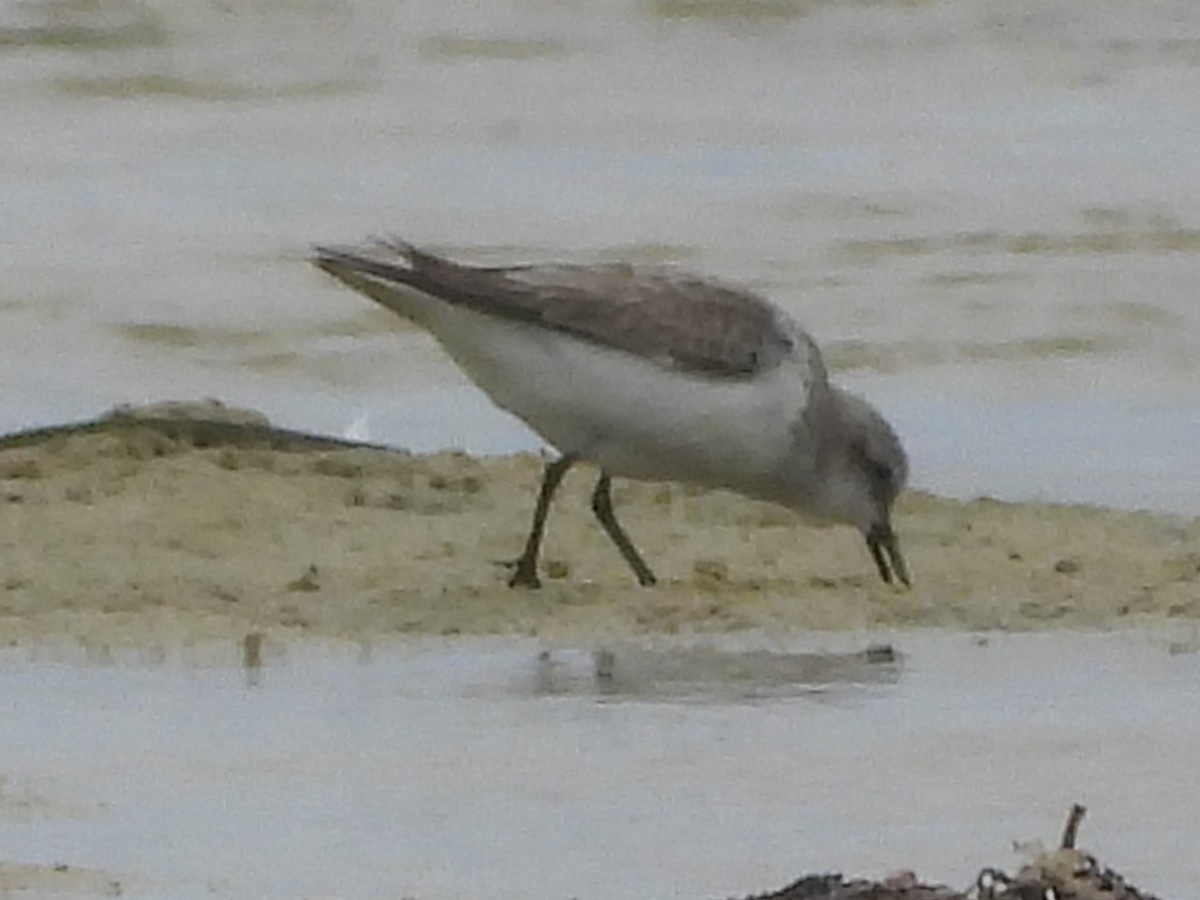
{"points": [[525, 566], [602, 507]]}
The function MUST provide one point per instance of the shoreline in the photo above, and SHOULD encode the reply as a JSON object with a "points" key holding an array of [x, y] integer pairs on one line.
{"points": [[181, 523]]}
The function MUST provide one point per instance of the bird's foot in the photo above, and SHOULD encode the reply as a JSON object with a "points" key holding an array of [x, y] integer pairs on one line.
{"points": [[524, 572]]}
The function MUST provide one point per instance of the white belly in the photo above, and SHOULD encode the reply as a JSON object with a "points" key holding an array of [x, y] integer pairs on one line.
{"points": [[626, 414]]}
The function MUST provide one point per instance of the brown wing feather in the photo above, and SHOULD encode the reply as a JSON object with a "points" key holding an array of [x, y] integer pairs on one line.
{"points": [[677, 320]]}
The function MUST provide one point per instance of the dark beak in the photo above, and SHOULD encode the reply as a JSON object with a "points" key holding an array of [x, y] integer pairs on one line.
{"points": [[885, 550]]}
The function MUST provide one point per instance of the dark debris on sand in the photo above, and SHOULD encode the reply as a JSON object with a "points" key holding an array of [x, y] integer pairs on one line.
{"points": [[1061, 874]]}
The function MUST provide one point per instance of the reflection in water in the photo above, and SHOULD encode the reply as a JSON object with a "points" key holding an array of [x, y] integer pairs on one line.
{"points": [[252, 645], [440, 769], [710, 674]]}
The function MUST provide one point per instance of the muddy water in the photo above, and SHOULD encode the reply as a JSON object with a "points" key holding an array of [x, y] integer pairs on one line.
{"points": [[427, 769], [986, 212]]}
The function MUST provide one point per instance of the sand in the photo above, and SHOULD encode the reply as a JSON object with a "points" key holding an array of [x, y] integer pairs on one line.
{"points": [[164, 529]]}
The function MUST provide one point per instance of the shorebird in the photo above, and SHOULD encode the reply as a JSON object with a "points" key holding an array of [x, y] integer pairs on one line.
{"points": [[653, 374]]}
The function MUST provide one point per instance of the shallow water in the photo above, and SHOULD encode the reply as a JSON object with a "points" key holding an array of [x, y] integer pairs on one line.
{"points": [[434, 769], [986, 211]]}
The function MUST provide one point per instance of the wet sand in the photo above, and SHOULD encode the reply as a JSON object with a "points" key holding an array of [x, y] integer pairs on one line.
{"points": [[143, 531]]}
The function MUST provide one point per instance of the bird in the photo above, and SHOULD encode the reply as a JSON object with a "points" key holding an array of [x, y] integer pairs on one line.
{"points": [[649, 373]]}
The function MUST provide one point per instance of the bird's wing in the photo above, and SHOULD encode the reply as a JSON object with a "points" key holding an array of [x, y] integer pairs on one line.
{"points": [[676, 320]]}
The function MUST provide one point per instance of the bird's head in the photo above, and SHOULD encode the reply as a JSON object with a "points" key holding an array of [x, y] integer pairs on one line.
{"points": [[867, 469]]}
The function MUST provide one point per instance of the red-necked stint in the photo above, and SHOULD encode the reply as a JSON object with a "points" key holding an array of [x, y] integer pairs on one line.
{"points": [[650, 373]]}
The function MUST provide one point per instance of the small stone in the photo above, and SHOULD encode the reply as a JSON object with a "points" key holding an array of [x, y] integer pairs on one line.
{"points": [[710, 569], [23, 468], [306, 582], [336, 467], [228, 458], [78, 493]]}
